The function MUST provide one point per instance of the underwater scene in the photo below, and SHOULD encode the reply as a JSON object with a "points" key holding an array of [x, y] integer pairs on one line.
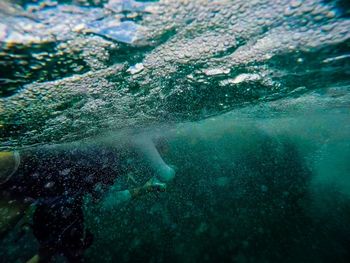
{"points": [[175, 131]]}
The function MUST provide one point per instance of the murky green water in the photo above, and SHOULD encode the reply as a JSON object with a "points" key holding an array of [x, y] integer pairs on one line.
{"points": [[247, 102]]}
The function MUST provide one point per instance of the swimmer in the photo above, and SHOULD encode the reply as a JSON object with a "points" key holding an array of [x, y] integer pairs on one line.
{"points": [[56, 178]]}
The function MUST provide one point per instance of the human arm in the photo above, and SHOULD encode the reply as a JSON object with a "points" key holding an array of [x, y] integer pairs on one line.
{"points": [[115, 198], [146, 147]]}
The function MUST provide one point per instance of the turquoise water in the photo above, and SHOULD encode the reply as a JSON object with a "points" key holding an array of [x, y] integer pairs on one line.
{"points": [[246, 101]]}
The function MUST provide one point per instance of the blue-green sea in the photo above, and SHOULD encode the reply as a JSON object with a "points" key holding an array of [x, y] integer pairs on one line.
{"points": [[175, 131]]}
